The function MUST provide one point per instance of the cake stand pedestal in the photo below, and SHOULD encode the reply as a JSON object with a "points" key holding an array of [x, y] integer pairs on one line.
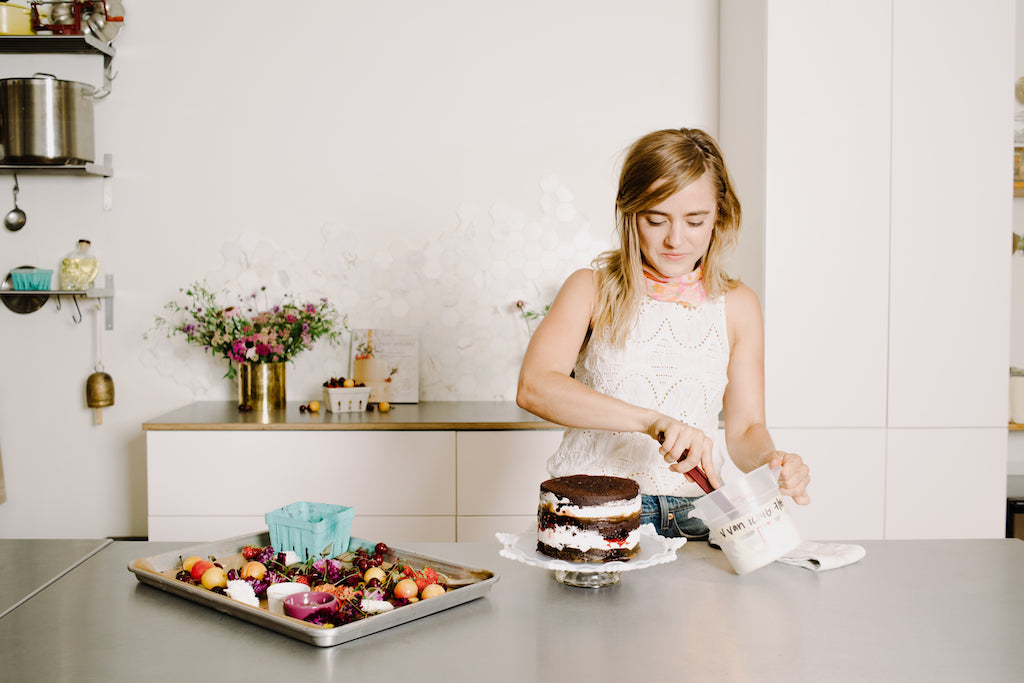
{"points": [[587, 579], [654, 550]]}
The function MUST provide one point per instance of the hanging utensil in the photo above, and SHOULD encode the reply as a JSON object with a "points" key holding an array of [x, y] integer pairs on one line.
{"points": [[15, 218], [99, 388], [99, 392]]}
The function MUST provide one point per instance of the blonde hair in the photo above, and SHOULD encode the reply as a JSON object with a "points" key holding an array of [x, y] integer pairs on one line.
{"points": [[657, 166]]}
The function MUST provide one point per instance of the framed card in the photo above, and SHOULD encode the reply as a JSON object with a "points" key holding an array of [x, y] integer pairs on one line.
{"points": [[388, 361]]}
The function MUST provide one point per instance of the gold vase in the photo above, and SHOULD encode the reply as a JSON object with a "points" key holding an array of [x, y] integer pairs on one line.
{"points": [[261, 386]]}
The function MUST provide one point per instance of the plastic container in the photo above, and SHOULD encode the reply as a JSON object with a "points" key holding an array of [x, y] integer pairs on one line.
{"points": [[311, 530], [31, 279], [277, 592], [748, 518], [350, 400]]}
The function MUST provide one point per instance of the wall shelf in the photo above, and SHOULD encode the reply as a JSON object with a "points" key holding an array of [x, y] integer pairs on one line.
{"points": [[84, 44], [104, 169], [30, 301]]}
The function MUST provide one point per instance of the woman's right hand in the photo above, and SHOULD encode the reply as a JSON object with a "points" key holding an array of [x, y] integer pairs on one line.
{"points": [[684, 447]]}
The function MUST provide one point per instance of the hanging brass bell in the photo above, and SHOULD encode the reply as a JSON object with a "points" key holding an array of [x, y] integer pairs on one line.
{"points": [[99, 392]]}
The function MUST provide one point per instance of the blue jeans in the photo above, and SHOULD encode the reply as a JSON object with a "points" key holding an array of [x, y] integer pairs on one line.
{"points": [[671, 517]]}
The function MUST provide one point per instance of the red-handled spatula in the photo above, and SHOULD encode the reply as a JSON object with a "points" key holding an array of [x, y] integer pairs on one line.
{"points": [[696, 473]]}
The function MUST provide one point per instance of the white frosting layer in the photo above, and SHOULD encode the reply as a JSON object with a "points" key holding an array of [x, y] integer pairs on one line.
{"points": [[616, 508], [561, 536]]}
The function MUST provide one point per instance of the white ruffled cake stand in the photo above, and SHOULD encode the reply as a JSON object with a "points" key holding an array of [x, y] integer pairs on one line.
{"points": [[654, 550]]}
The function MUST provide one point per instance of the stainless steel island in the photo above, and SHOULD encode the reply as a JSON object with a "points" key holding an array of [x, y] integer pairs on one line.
{"points": [[910, 610]]}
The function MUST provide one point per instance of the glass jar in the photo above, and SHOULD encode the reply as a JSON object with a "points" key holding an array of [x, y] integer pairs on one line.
{"points": [[78, 270]]}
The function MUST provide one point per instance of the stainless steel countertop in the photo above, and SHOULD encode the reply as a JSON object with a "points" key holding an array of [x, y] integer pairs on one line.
{"points": [[28, 566], [911, 610]]}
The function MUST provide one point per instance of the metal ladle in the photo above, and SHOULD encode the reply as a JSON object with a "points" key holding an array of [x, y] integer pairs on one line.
{"points": [[15, 218]]}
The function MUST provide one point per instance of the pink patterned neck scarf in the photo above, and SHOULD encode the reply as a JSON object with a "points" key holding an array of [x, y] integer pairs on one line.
{"points": [[687, 290]]}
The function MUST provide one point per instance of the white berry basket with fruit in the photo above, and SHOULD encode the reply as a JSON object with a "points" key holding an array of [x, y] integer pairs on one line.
{"points": [[343, 395]]}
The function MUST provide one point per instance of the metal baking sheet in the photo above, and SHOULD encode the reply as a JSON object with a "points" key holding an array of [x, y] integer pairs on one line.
{"points": [[159, 570]]}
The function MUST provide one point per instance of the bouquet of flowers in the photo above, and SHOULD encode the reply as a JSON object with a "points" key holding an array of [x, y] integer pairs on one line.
{"points": [[243, 333]]}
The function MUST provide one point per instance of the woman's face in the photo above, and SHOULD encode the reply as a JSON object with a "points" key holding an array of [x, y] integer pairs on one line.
{"points": [[675, 234]]}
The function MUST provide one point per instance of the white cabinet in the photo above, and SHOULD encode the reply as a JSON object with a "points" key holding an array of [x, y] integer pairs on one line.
{"points": [[499, 477], [205, 485], [879, 162], [405, 486], [949, 251]]}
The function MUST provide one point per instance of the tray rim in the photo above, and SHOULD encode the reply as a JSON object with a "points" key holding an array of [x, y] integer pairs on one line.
{"points": [[146, 573]]}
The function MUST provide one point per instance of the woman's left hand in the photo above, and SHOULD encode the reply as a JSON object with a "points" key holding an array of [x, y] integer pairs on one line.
{"points": [[795, 475]]}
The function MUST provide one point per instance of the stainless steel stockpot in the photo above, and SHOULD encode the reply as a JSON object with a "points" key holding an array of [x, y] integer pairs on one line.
{"points": [[44, 120]]}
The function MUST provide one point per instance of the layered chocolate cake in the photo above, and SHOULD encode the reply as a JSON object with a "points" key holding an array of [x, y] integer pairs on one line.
{"points": [[585, 518]]}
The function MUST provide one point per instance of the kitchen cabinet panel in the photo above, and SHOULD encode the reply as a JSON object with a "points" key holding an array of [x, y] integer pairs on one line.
{"points": [[951, 214], [827, 114], [482, 529], [499, 473], [946, 483], [847, 482], [252, 472], [392, 530], [405, 485]]}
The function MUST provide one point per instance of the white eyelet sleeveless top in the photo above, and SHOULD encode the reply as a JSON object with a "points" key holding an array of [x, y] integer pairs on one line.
{"points": [[675, 361]]}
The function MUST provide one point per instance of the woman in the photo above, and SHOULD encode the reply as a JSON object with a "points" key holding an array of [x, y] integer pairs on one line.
{"points": [[638, 355]]}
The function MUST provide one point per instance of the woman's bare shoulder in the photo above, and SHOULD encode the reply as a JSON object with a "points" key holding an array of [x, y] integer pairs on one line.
{"points": [[742, 304], [581, 283]]}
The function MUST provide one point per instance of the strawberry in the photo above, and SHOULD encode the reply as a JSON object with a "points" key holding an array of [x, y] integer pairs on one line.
{"points": [[250, 551], [425, 578], [301, 579]]}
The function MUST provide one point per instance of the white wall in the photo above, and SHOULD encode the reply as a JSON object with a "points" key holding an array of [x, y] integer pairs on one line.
{"points": [[358, 160]]}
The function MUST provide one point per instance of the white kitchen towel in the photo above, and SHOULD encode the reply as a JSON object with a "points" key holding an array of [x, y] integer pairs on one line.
{"points": [[821, 556]]}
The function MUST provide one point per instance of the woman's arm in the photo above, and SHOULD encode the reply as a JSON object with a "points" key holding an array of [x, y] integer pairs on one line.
{"points": [[547, 390], [545, 386], [746, 435]]}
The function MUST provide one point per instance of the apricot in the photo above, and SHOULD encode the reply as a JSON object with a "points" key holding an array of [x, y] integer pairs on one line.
{"points": [[374, 573], [406, 588], [253, 570], [431, 591], [214, 577]]}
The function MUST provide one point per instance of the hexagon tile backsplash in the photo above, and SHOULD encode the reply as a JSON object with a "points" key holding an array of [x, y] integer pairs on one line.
{"points": [[458, 292]]}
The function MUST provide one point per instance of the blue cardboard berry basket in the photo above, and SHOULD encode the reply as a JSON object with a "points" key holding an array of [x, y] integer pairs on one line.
{"points": [[311, 530], [31, 279]]}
